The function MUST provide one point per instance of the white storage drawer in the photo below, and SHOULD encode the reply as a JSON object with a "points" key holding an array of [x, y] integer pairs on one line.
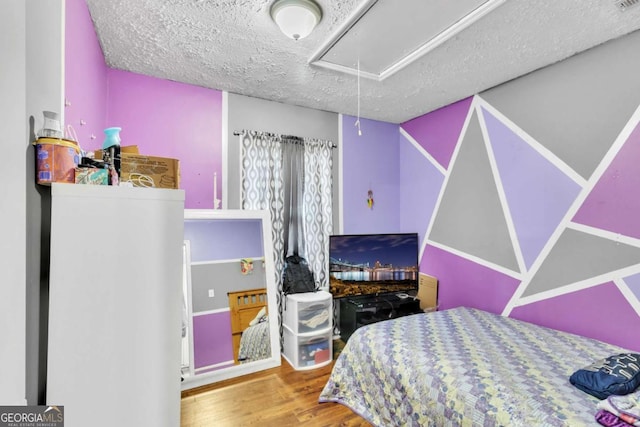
{"points": [[308, 312], [308, 351]]}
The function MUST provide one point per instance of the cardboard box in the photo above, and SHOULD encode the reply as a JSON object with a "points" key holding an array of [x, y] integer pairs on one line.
{"points": [[146, 171], [428, 292], [149, 171], [92, 176], [132, 149]]}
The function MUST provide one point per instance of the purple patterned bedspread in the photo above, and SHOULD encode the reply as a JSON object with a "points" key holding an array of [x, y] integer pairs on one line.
{"points": [[464, 367]]}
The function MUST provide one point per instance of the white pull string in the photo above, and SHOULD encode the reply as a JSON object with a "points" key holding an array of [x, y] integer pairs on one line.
{"points": [[357, 123]]}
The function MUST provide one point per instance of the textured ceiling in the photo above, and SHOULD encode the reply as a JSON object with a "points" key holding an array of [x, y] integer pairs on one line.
{"points": [[234, 45]]}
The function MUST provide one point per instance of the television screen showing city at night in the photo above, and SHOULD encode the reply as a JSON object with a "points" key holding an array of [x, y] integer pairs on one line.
{"points": [[373, 263]]}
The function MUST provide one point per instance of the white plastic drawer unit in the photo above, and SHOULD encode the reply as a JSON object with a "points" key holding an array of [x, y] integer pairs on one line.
{"points": [[308, 312], [308, 351]]}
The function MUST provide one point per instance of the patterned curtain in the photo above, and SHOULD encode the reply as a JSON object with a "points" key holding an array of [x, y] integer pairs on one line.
{"points": [[318, 208], [291, 177], [262, 188]]}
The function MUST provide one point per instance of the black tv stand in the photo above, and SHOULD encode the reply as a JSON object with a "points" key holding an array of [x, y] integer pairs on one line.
{"points": [[362, 310]]}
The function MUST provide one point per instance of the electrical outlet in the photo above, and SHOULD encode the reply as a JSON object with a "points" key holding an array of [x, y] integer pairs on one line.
{"points": [[211, 293]]}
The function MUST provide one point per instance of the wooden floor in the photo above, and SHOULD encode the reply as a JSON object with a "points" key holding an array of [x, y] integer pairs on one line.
{"points": [[279, 397]]}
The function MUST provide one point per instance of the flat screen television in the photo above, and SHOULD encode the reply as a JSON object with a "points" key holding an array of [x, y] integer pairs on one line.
{"points": [[373, 264]]}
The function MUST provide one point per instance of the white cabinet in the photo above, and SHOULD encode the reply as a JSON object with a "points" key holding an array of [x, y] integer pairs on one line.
{"points": [[308, 330], [115, 305]]}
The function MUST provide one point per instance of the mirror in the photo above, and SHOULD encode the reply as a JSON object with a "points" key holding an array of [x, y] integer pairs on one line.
{"points": [[230, 307]]}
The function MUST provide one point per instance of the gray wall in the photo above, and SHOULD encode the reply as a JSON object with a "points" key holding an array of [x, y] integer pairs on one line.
{"points": [[258, 114], [13, 30], [553, 153], [576, 107], [216, 247], [470, 217], [222, 277]]}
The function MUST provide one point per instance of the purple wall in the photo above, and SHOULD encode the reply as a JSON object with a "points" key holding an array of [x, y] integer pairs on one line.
{"points": [[211, 343], [560, 313], [371, 162], [243, 237], [464, 283], [163, 118], [609, 206], [603, 311], [85, 76], [537, 192], [539, 196], [166, 118], [438, 131], [169, 119]]}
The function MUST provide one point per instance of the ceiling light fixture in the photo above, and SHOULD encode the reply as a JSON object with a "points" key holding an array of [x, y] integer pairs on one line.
{"points": [[296, 18]]}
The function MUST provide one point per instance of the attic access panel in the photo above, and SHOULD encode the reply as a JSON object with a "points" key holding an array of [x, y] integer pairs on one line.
{"points": [[388, 35]]}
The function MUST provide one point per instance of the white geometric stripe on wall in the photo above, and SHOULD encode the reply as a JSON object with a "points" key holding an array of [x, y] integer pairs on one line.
{"points": [[566, 224], [537, 193], [625, 263], [417, 201], [605, 270], [633, 283], [470, 215], [628, 293], [581, 258]]}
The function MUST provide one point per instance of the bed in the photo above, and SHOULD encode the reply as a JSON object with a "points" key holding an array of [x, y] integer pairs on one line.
{"points": [[244, 306], [254, 342], [464, 367]]}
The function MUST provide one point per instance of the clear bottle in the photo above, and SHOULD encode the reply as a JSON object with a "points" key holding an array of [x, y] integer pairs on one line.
{"points": [[52, 127]]}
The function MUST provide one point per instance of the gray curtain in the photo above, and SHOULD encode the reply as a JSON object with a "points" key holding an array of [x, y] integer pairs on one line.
{"points": [[291, 177]]}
